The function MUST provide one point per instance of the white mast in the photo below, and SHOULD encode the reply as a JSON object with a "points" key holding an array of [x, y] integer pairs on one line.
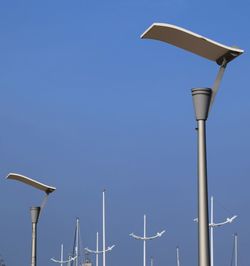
{"points": [[104, 249], [61, 261], [151, 261], [97, 251], [103, 230], [77, 241], [145, 239], [235, 249], [61, 254], [212, 225], [177, 256]]}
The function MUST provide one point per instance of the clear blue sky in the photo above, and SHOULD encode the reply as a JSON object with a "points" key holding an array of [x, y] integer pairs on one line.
{"points": [[86, 105]]}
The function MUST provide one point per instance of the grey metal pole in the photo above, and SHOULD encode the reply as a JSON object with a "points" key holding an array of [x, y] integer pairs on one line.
{"points": [[201, 100], [34, 211]]}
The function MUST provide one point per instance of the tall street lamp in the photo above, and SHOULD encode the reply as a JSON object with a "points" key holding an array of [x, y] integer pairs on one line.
{"points": [[202, 99], [35, 211]]}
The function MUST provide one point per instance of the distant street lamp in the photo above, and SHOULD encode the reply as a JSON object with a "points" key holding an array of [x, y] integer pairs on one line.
{"points": [[203, 99], [145, 238], [35, 211]]}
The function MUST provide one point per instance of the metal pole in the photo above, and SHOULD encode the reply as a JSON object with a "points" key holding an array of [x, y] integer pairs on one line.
{"points": [[201, 99], [151, 261], [235, 249], [144, 242], [61, 254], [103, 230], [97, 247], [204, 256], [212, 232], [97, 251], [145, 238], [177, 257], [77, 241], [34, 211]]}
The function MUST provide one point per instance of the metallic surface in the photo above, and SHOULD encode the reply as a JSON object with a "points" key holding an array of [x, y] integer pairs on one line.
{"points": [[31, 182], [203, 224], [191, 42], [201, 99], [34, 220]]}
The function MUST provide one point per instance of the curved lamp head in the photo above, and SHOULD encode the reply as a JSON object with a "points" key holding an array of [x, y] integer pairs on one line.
{"points": [[31, 182], [192, 42], [197, 44]]}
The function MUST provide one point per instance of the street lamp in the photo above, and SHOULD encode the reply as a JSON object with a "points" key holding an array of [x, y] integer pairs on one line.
{"points": [[203, 99], [145, 238], [35, 211]]}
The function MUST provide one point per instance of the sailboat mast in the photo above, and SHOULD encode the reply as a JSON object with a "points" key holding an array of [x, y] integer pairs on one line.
{"points": [[103, 230], [235, 249], [77, 242], [177, 256]]}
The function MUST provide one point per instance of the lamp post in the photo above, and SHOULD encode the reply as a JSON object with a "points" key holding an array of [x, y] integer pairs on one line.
{"points": [[35, 211], [203, 99], [145, 238]]}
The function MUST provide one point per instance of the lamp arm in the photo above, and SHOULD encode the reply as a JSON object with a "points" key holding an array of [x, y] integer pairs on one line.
{"points": [[44, 201], [217, 82]]}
